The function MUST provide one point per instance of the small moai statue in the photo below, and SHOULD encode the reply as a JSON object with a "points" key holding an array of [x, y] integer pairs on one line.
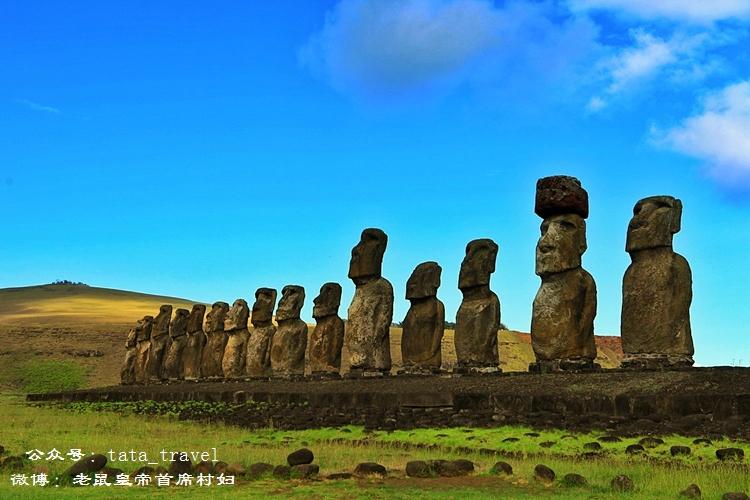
{"points": [[424, 324], [367, 333], [478, 317], [172, 367], [327, 338], [562, 323], [657, 289], [216, 341], [127, 371], [143, 339], [289, 344], [235, 326], [258, 357], [159, 340], [195, 340]]}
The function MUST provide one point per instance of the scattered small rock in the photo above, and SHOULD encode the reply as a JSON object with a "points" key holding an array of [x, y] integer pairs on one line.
{"points": [[622, 483], [220, 467], [679, 450], [235, 469], [692, 491], [634, 449], [592, 446], [305, 471], [146, 469], [735, 496], [510, 440], [370, 469], [300, 457], [203, 467], [650, 442], [258, 470], [14, 462], [574, 480], [502, 468], [111, 472], [610, 439], [703, 441], [419, 468], [282, 472], [87, 465], [547, 444], [181, 465], [532, 434], [730, 454], [337, 476], [544, 474]]}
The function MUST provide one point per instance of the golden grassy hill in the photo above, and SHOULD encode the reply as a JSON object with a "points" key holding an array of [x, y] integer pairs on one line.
{"points": [[85, 327]]}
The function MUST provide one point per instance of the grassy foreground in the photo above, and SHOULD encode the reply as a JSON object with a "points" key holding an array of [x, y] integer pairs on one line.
{"points": [[656, 474]]}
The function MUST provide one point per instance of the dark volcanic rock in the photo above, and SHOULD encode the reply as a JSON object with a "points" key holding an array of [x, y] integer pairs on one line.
{"points": [[651, 442], [299, 457], [634, 449], [547, 444], [730, 454], [544, 474], [510, 440], [735, 496], [180, 466], [560, 194], [282, 472], [679, 450], [609, 439], [622, 483], [337, 476], [502, 468], [574, 480], [87, 465], [692, 491], [370, 469], [305, 471], [593, 446], [419, 468], [203, 467], [703, 441], [258, 470]]}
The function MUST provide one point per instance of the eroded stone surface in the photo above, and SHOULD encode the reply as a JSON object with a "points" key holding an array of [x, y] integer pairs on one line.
{"points": [[194, 342], [159, 340], [127, 371], [258, 357], [216, 341], [657, 288], [289, 343], [424, 324], [235, 351], [143, 338], [560, 194], [478, 317], [172, 366], [327, 338]]}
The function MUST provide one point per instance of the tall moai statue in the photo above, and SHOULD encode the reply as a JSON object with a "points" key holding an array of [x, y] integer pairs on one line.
{"points": [[562, 323], [235, 326], [289, 344], [172, 367], [216, 341], [327, 338], [367, 333], [478, 317], [258, 357], [657, 289], [127, 371], [424, 325], [159, 340], [195, 340], [143, 339]]}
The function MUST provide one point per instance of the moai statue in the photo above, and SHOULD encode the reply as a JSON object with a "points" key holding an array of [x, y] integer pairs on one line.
{"points": [[657, 289], [367, 333], [327, 338], [424, 324], [478, 317], [143, 339], [235, 326], [127, 372], [195, 340], [216, 341], [159, 340], [562, 323], [289, 344], [172, 367], [258, 357]]}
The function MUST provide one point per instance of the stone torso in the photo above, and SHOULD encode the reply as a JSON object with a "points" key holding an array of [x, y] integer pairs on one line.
{"points": [[191, 355], [477, 323], [258, 354], [326, 342], [422, 335], [562, 325], [213, 354], [233, 363], [368, 327], [288, 348]]}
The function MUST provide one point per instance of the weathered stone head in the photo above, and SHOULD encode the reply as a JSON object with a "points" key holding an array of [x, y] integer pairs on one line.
{"points": [[478, 264], [265, 300], [367, 257], [215, 317], [655, 220], [424, 281], [561, 245], [179, 324], [143, 328], [560, 194], [328, 301], [290, 305], [237, 317], [195, 323], [161, 321]]}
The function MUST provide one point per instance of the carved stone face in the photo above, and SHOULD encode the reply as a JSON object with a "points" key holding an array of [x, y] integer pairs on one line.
{"points": [[290, 305], [367, 256], [215, 318], [265, 300], [143, 328], [655, 220], [195, 324], [424, 281], [237, 317], [478, 264], [561, 245], [328, 302], [161, 322], [179, 324]]}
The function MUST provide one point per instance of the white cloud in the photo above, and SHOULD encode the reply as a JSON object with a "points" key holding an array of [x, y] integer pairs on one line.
{"points": [[719, 134], [39, 107], [697, 11]]}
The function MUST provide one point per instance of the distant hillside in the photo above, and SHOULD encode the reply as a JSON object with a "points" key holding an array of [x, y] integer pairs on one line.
{"points": [[85, 327]]}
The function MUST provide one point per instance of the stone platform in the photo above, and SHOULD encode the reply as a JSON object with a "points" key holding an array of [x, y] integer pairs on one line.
{"points": [[688, 401]]}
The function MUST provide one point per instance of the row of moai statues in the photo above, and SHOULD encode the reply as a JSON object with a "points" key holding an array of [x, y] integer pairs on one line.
{"points": [[655, 326]]}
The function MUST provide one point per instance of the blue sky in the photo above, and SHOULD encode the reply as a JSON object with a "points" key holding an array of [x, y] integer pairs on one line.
{"points": [[204, 150]]}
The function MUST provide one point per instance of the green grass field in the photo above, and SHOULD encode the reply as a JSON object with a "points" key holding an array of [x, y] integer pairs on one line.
{"points": [[655, 474]]}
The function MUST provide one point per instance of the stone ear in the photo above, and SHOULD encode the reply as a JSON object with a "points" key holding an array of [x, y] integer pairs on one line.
{"points": [[582, 245], [675, 223]]}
